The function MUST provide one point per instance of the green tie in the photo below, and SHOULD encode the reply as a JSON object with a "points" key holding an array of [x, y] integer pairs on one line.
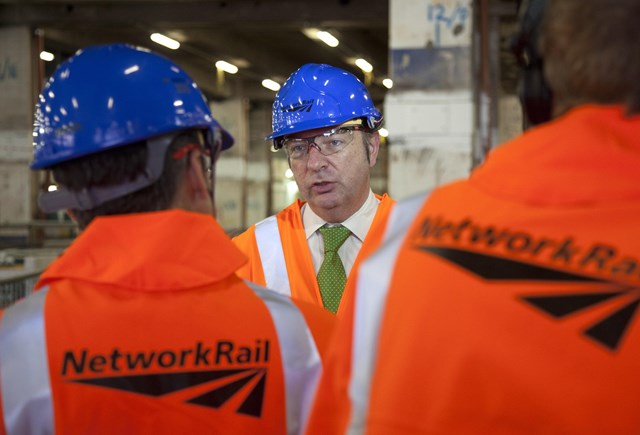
{"points": [[331, 276]]}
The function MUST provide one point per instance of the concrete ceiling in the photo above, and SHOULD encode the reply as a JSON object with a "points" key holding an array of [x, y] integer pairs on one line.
{"points": [[263, 37]]}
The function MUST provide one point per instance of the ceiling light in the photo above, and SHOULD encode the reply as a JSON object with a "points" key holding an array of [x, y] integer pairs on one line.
{"points": [[288, 173], [383, 132], [327, 38], [364, 65], [46, 56], [310, 32], [165, 41], [226, 67], [316, 34], [387, 83], [270, 84], [52, 188]]}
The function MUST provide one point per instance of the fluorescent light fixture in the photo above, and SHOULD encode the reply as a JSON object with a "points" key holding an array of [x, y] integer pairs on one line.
{"points": [[324, 36], [327, 38], [311, 32], [46, 56], [387, 83], [165, 41], [364, 65], [271, 85], [383, 132], [226, 67]]}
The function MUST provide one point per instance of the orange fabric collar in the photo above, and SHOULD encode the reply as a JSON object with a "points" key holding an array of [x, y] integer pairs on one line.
{"points": [[591, 154], [158, 251]]}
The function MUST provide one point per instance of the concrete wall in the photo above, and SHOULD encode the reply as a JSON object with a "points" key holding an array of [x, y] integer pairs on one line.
{"points": [[16, 109], [430, 109]]}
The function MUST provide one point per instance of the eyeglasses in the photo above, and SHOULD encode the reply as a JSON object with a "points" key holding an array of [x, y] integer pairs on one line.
{"points": [[209, 144], [327, 143]]}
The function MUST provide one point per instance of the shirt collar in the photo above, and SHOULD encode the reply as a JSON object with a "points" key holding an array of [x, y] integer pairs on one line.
{"points": [[358, 223]]}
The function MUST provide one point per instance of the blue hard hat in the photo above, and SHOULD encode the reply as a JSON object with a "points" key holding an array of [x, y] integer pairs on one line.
{"points": [[108, 96], [320, 95]]}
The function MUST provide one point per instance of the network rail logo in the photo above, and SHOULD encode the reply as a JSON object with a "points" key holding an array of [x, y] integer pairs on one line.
{"points": [[570, 266], [242, 387], [607, 331], [302, 106]]}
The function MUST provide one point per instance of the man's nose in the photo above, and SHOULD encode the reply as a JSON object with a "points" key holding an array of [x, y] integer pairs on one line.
{"points": [[314, 145], [315, 159]]}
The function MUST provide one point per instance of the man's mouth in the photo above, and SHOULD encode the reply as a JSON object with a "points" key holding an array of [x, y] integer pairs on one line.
{"points": [[322, 186]]}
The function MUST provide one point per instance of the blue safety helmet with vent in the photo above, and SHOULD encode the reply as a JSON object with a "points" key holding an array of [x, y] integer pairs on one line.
{"points": [[320, 95], [109, 96]]}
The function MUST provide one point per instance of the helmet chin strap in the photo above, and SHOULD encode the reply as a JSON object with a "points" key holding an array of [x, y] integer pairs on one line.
{"points": [[92, 197]]}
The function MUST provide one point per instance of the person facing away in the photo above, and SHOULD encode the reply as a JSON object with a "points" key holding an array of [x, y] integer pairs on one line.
{"points": [[142, 325], [324, 120], [508, 303]]}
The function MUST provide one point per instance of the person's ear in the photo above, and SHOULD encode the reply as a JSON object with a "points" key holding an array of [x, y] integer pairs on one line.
{"points": [[197, 184], [195, 173], [373, 145]]}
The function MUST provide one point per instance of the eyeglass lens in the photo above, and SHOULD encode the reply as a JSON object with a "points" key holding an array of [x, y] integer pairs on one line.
{"points": [[327, 143]]}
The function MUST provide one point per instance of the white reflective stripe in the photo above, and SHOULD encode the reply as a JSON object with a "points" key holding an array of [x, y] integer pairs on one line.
{"points": [[300, 357], [403, 215], [24, 368], [374, 277], [274, 265]]}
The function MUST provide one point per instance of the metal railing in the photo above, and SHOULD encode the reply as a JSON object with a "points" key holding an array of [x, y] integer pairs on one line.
{"points": [[36, 233], [17, 287]]}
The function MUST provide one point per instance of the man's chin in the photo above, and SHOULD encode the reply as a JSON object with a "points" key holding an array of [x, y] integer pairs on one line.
{"points": [[323, 204]]}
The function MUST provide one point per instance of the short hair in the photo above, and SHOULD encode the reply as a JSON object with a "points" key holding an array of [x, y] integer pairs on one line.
{"points": [[588, 49], [118, 165]]}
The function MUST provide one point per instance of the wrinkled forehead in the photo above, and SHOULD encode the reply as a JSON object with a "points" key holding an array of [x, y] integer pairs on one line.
{"points": [[318, 131]]}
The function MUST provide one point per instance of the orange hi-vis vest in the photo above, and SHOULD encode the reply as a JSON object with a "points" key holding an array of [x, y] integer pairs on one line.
{"points": [[142, 326], [279, 256], [504, 304]]}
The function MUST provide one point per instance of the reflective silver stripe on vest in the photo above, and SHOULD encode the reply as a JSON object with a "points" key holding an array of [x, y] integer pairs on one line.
{"points": [[300, 358], [274, 265], [24, 368], [374, 277]]}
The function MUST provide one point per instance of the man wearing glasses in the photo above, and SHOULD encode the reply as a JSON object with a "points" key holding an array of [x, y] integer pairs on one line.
{"points": [[325, 122]]}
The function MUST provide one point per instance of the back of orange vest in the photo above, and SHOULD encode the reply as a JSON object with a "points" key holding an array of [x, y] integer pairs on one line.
{"points": [[203, 360], [514, 319]]}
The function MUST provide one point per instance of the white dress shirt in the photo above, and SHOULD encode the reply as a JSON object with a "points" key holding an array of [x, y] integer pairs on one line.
{"points": [[358, 223]]}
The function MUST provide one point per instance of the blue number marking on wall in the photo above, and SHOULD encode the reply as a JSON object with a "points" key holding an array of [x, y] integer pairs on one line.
{"points": [[452, 19]]}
